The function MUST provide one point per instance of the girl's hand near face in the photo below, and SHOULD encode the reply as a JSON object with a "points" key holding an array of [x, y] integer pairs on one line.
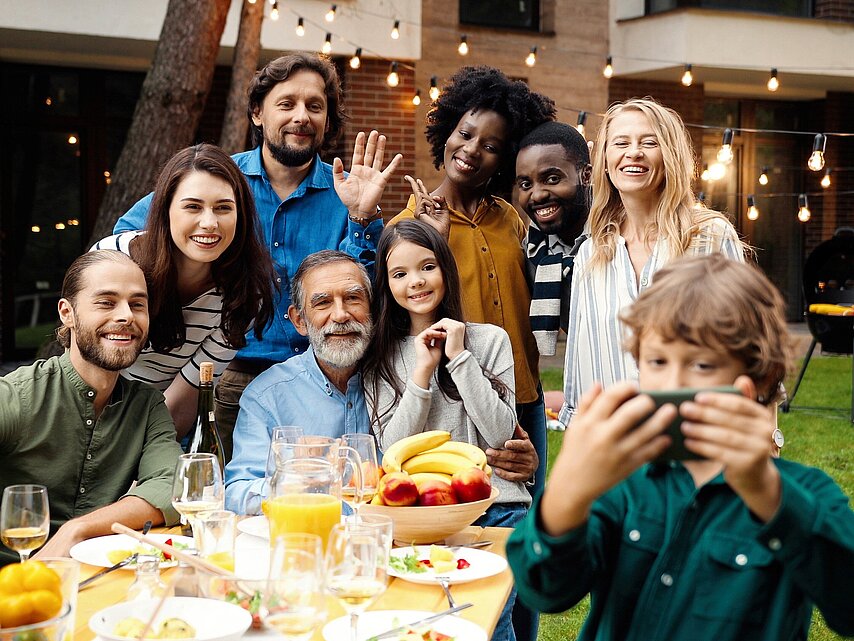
{"points": [[455, 336], [429, 345], [430, 209]]}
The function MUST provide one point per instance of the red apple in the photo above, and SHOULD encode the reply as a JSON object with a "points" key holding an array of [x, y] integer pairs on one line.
{"points": [[435, 493], [397, 489], [471, 485]]}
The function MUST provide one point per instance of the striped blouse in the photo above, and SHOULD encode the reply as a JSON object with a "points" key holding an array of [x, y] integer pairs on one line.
{"points": [[204, 338], [594, 346]]}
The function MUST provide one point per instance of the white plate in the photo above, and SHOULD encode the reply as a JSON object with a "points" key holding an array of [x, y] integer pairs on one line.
{"points": [[482, 564], [255, 526], [379, 621], [94, 551]]}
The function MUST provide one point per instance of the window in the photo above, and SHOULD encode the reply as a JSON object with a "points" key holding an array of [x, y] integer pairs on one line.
{"points": [[796, 8], [505, 14]]}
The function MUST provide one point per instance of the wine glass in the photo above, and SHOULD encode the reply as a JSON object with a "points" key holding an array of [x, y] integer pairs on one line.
{"points": [[366, 446], [198, 489], [295, 601], [24, 518], [355, 569], [282, 435]]}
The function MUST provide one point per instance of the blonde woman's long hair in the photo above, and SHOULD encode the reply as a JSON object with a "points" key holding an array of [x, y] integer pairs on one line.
{"points": [[677, 217]]}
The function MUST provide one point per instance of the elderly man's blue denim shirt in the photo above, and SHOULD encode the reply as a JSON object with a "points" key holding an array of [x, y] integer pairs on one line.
{"points": [[312, 218], [295, 392]]}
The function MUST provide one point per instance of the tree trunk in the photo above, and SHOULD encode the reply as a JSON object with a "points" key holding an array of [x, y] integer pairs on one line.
{"points": [[243, 67], [170, 105]]}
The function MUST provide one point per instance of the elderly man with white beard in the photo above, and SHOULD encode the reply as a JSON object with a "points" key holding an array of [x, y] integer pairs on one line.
{"points": [[320, 389]]}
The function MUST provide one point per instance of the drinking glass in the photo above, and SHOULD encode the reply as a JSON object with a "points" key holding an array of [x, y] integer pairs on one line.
{"points": [[384, 526], [216, 535], [355, 569], [198, 488], [283, 434], [294, 599], [366, 446], [24, 518]]}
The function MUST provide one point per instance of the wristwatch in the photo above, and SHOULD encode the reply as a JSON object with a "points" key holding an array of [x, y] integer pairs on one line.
{"points": [[365, 221]]}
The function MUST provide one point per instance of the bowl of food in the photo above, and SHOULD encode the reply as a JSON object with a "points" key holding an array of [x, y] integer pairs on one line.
{"points": [[179, 618], [431, 523]]}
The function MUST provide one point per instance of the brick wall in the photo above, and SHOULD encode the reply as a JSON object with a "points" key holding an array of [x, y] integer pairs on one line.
{"points": [[841, 10]]}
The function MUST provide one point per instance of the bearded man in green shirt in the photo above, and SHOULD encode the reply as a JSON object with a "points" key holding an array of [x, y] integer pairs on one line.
{"points": [[73, 424]]}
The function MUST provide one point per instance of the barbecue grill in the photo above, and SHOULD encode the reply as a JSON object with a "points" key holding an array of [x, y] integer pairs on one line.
{"points": [[829, 296]]}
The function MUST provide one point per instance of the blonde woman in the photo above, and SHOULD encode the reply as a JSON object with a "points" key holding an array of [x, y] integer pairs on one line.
{"points": [[643, 216]]}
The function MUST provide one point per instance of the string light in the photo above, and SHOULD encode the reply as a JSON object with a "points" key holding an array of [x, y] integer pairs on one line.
{"points": [[705, 174], [72, 139], [816, 160], [59, 226], [300, 28], [327, 44], [48, 101], [687, 77], [700, 203], [393, 79], [330, 15], [434, 88], [416, 99], [395, 30], [752, 212], [251, 1], [608, 71], [35, 229], [356, 60], [825, 180], [717, 171], [464, 47], [804, 213], [763, 177], [531, 60], [274, 11], [773, 82], [725, 154], [582, 118]]}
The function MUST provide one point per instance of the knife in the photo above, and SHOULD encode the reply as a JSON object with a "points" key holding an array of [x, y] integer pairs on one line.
{"points": [[420, 622]]}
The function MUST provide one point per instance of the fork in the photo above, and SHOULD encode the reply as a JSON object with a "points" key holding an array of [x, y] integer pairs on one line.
{"points": [[443, 581]]}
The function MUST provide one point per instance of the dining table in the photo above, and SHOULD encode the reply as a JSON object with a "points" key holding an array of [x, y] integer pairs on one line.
{"points": [[487, 595]]}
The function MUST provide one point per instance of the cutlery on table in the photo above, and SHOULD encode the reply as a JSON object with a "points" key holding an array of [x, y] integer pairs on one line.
{"points": [[420, 622], [474, 544], [195, 561], [120, 564], [443, 581]]}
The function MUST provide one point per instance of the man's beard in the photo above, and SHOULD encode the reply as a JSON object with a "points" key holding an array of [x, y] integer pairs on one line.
{"points": [[337, 352], [291, 156], [90, 348], [573, 214]]}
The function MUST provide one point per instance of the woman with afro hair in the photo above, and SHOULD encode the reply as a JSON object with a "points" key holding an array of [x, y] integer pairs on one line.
{"points": [[474, 129]]}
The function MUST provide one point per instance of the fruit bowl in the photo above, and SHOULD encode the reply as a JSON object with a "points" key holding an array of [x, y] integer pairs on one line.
{"points": [[431, 523], [58, 628]]}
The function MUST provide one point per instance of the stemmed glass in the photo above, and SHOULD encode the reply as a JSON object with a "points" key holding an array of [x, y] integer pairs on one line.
{"points": [[198, 488], [295, 600], [355, 569], [24, 518], [366, 446]]}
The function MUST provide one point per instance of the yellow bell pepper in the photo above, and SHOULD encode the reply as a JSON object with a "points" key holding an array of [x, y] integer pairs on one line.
{"points": [[30, 593]]}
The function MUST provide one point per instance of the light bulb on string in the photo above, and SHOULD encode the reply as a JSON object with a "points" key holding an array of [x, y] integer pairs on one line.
{"points": [[330, 15], [700, 203], [356, 60], [825, 180], [804, 213], [416, 99], [763, 177], [274, 11], [717, 171], [705, 174], [687, 77], [725, 154], [582, 118], [816, 160], [531, 59], [395, 30], [392, 78], [434, 88], [464, 46], [752, 211], [773, 82], [327, 44], [251, 1], [608, 71], [300, 28]]}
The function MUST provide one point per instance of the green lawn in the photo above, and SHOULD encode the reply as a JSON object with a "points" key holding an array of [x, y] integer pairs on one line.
{"points": [[820, 438]]}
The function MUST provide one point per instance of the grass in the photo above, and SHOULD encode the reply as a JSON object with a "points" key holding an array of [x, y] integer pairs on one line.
{"points": [[817, 437]]}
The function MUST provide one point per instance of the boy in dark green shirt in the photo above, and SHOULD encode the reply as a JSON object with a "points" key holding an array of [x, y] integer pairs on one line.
{"points": [[733, 545]]}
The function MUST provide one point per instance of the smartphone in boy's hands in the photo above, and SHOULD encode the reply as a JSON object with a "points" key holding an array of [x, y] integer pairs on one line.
{"points": [[677, 451]]}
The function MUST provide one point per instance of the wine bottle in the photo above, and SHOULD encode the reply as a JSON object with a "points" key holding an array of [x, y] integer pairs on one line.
{"points": [[205, 438]]}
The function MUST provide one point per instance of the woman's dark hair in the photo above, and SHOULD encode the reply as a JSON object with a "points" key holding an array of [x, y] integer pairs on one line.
{"points": [[243, 274], [281, 69], [476, 88], [391, 321]]}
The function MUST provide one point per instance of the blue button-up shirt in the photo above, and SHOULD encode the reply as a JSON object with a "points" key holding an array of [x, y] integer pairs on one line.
{"points": [[312, 218], [295, 392]]}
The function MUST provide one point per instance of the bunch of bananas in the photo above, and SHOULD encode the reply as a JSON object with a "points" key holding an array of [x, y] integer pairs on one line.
{"points": [[434, 454]]}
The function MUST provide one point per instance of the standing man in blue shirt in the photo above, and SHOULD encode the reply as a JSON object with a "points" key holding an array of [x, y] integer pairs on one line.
{"points": [[304, 205]]}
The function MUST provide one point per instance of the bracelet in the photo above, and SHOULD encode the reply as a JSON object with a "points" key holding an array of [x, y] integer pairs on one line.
{"points": [[364, 221]]}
